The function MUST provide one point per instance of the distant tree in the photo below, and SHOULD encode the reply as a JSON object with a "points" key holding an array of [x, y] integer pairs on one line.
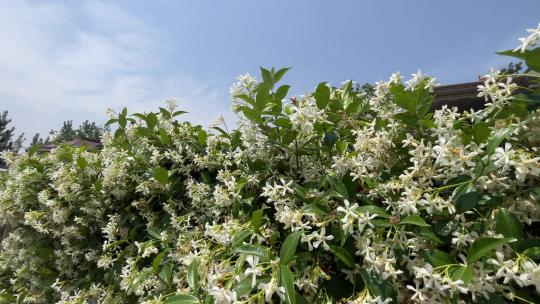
{"points": [[512, 68], [87, 130], [8, 141], [38, 140], [90, 131]]}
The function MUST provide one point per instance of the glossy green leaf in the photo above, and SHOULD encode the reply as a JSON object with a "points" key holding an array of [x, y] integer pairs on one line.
{"points": [[280, 73], [343, 255], [288, 283], [338, 186], [256, 250], [372, 209], [463, 273], [483, 246], [252, 115], [243, 288], [532, 252], [157, 260], [413, 220], [481, 132], [322, 95], [151, 120], [193, 276], [182, 298], [154, 232], [439, 258], [508, 224], [467, 201], [496, 141], [256, 219], [268, 78], [240, 236], [166, 274], [532, 59], [161, 175], [288, 249], [281, 92], [512, 53]]}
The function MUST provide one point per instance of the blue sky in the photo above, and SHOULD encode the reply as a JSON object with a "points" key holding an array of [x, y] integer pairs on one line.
{"points": [[63, 60]]}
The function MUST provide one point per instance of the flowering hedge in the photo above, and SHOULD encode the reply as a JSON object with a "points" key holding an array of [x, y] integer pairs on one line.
{"points": [[338, 197]]}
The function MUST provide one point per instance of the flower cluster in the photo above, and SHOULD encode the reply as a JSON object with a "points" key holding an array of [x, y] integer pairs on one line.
{"points": [[338, 197]]}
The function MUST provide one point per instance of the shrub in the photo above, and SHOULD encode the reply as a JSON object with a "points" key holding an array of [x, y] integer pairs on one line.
{"points": [[338, 196]]}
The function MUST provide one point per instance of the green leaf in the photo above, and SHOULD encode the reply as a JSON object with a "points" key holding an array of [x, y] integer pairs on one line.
{"points": [[151, 120], [154, 232], [413, 220], [288, 283], [166, 274], [532, 252], [81, 162], [483, 246], [511, 53], [283, 122], [257, 250], [496, 141], [481, 132], [431, 235], [322, 95], [532, 59], [338, 186], [508, 224], [404, 98], [341, 146], [467, 201], [262, 97], [176, 113], [268, 78], [161, 175], [439, 258], [7, 298], [21, 297], [343, 255], [193, 276], [523, 245], [157, 260], [252, 115], [164, 136], [279, 74], [182, 298], [372, 209], [256, 219], [202, 136], [315, 209], [240, 236], [164, 112], [288, 249], [281, 92], [463, 273], [243, 288]]}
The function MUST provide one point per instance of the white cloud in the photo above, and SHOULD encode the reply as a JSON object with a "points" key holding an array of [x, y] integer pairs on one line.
{"points": [[60, 62]]}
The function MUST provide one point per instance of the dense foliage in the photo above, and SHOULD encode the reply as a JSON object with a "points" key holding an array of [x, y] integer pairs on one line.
{"points": [[338, 196]]}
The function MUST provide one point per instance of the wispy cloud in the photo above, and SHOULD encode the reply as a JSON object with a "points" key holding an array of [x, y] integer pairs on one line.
{"points": [[62, 62]]}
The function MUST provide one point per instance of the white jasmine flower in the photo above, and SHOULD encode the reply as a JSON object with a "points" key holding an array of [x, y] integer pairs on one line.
{"points": [[350, 216], [534, 35], [317, 238], [365, 219], [253, 270]]}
